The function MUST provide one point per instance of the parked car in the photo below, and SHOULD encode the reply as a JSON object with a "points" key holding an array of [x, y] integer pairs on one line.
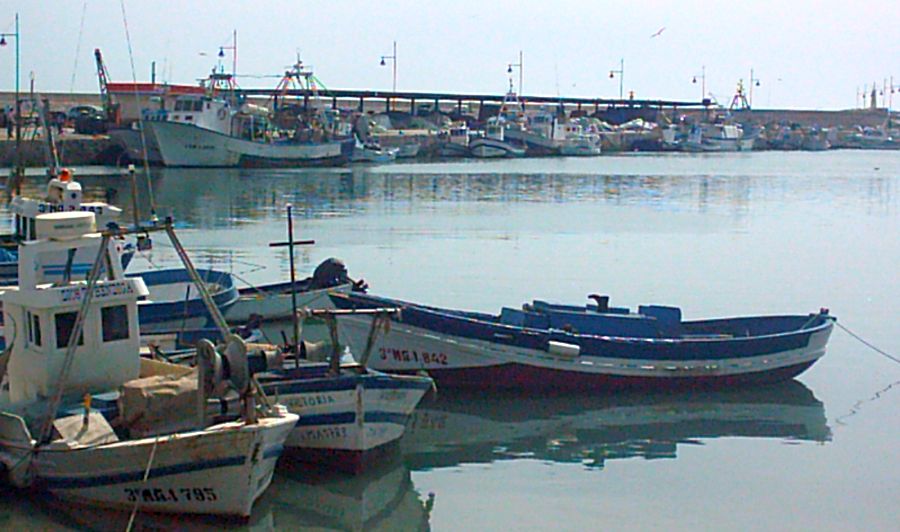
{"points": [[81, 110]]}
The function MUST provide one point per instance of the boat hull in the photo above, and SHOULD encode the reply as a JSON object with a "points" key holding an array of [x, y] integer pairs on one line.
{"points": [[603, 363], [175, 303], [488, 148], [221, 470], [346, 422], [187, 145], [278, 304]]}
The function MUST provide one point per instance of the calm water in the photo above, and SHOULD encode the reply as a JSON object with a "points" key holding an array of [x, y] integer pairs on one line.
{"points": [[717, 235]]}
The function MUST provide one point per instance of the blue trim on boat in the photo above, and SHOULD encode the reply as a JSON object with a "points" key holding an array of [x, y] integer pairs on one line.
{"points": [[340, 418], [344, 418], [163, 311], [385, 417], [746, 337], [134, 476]]}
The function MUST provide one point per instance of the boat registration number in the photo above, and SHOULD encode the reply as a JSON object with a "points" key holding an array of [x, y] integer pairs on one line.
{"points": [[411, 356], [171, 494]]}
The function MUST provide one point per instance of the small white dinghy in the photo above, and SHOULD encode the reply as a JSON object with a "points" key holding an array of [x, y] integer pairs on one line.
{"points": [[84, 418]]}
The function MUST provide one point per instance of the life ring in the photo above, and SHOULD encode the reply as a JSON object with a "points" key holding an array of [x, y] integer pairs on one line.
{"points": [[221, 113]]}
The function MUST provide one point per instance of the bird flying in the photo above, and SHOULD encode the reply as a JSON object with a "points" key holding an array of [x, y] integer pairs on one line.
{"points": [[658, 32]]}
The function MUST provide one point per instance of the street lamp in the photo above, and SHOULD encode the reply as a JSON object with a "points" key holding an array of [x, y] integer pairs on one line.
{"points": [[520, 65], [18, 169], [754, 82], [621, 73], [234, 50], [702, 78], [393, 60]]}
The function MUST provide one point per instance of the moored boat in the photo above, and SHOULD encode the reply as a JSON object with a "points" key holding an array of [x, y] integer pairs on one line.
{"points": [[547, 346], [72, 371]]}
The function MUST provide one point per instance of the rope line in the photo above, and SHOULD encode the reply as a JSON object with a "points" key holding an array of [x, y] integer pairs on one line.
{"points": [[867, 344]]}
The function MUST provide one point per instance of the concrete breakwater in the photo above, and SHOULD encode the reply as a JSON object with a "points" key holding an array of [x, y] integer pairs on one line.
{"points": [[78, 151]]}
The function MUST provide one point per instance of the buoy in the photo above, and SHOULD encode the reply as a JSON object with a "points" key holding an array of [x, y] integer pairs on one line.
{"points": [[65, 175]]}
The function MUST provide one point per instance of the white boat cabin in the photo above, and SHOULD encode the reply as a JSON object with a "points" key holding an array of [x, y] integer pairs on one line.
{"points": [[64, 194], [39, 316]]}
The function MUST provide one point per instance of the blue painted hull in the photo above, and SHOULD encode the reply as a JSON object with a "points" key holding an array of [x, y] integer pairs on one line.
{"points": [[475, 350], [187, 309]]}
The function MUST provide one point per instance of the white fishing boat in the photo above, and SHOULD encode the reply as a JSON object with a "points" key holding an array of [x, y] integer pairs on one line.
{"points": [[212, 129], [64, 194], [454, 142], [717, 138], [373, 152], [71, 371], [493, 144], [276, 301]]}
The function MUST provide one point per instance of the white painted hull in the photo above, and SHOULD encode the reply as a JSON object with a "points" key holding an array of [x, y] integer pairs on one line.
{"points": [[355, 420], [487, 148], [221, 470], [189, 145], [409, 348], [279, 305]]}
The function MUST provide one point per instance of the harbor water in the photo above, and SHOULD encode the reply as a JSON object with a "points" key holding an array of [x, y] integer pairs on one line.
{"points": [[718, 235]]}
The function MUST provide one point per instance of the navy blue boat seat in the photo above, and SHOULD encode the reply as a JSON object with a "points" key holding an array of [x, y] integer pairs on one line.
{"points": [[521, 318], [668, 319], [626, 325]]}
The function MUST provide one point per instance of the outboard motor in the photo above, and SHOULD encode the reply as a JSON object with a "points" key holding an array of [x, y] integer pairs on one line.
{"points": [[331, 272]]}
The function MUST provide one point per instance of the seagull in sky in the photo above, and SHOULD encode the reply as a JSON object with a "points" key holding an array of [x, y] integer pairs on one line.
{"points": [[658, 32]]}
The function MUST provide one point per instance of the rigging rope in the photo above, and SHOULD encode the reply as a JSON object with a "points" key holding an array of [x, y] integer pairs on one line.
{"points": [[78, 47], [137, 102], [867, 344]]}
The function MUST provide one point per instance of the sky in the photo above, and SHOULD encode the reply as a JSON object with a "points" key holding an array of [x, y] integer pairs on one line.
{"points": [[805, 54]]}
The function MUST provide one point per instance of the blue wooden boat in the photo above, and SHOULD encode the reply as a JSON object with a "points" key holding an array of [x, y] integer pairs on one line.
{"points": [[175, 303], [565, 347]]}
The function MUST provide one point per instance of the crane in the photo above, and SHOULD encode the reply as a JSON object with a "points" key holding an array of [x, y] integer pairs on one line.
{"points": [[109, 108]]}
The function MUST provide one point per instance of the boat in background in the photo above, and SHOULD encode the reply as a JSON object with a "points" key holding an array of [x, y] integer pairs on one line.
{"points": [[717, 137], [454, 141], [276, 301], [216, 128], [546, 346], [373, 152], [64, 194], [174, 302]]}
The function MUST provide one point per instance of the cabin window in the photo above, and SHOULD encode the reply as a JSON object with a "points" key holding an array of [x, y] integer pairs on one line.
{"points": [[115, 323], [34, 328], [31, 234], [198, 105], [18, 225], [65, 322]]}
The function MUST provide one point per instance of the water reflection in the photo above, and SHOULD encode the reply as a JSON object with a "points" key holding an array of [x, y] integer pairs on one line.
{"points": [[299, 498], [465, 428], [222, 198]]}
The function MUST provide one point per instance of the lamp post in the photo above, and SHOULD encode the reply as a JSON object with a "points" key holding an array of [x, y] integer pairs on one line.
{"points": [[393, 59], [621, 73], [233, 49], [702, 78], [520, 65], [18, 170], [754, 82]]}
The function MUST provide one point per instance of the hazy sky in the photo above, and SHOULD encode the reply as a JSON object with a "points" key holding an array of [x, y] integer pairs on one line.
{"points": [[806, 54]]}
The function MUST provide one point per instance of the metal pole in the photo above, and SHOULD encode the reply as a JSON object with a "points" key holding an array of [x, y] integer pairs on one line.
{"points": [[295, 318], [621, 77], [521, 69], [703, 83], [214, 311], [74, 335], [395, 66], [19, 170], [134, 197]]}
